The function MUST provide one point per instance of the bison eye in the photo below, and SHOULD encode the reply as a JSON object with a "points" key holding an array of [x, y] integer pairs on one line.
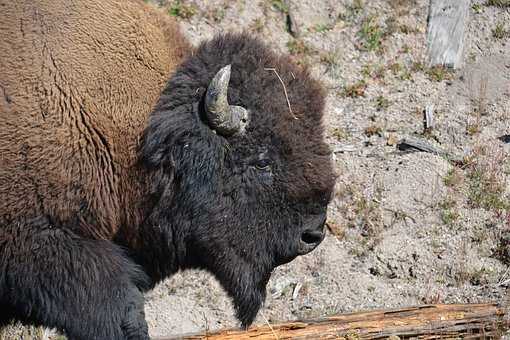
{"points": [[263, 164]]}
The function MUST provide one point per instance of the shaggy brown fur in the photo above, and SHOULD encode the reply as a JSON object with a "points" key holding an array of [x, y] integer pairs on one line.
{"points": [[75, 94]]}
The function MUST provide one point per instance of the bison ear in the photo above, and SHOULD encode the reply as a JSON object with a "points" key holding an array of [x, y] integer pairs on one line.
{"points": [[222, 117]]}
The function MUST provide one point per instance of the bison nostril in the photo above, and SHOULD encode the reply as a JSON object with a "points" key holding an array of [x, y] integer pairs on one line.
{"points": [[312, 237]]}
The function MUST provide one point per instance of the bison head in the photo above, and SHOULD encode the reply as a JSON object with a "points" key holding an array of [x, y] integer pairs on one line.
{"points": [[243, 176]]}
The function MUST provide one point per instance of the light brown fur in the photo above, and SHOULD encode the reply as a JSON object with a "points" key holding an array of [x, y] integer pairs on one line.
{"points": [[78, 80]]}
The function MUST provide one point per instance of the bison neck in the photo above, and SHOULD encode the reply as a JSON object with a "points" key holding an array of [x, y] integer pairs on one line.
{"points": [[150, 235]]}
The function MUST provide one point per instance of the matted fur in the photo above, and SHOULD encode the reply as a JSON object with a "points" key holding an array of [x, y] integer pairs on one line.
{"points": [[112, 180]]}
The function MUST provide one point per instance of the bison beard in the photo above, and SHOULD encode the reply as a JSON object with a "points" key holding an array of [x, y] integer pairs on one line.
{"points": [[218, 175]]}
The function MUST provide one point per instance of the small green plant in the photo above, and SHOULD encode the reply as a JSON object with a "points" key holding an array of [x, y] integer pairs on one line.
{"points": [[484, 193], [401, 71], [405, 49], [373, 71], [438, 73], [395, 68], [373, 130], [453, 178], [473, 128], [218, 14], [477, 8], [355, 90], [405, 75], [449, 213], [297, 47], [498, 3], [340, 134], [417, 67], [487, 183], [371, 34], [352, 11], [499, 31], [280, 6], [321, 28], [406, 29], [381, 103], [258, 25], [181, 10], [329, 58]]}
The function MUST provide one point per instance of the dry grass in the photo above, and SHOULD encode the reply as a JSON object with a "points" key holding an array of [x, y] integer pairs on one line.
{"points": [[487, 179], [17, 331], [355, 90], [371, 34], [182, 10], [499, 31], [360, 207]]}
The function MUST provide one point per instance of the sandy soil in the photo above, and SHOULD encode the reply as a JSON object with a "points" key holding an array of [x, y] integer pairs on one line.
{"points": [[405, 228]]}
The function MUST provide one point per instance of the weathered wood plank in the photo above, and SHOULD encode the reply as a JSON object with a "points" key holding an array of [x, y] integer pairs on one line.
{"points": [[422, 322], [447, 22], [419, 144]]}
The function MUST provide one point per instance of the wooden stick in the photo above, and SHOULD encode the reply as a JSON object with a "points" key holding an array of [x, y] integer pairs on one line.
{"points": [[468, 321], [418, 144]]}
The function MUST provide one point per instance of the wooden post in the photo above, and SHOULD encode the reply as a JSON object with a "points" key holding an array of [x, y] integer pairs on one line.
{"points": [[447, 23], [423, 322]]}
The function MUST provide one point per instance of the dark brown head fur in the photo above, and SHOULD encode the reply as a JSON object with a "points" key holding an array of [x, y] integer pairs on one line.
{"points": [[236, 217]]}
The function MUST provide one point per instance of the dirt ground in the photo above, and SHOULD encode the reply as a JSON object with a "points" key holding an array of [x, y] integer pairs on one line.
{"points": [[405, 228]]}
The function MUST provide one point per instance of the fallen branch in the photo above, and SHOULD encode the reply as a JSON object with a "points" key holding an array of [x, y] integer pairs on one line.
{"points": [[467, 321], [415, 144]]}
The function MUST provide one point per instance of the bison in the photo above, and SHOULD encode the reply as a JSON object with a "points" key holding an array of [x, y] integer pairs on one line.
{"points": [[127, 155]]}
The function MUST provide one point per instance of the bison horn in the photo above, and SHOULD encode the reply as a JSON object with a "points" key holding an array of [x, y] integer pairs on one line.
{"points": [[226, 119]]}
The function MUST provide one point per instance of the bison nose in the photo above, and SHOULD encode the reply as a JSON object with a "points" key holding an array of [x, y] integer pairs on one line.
{"points": [[311, 238]]}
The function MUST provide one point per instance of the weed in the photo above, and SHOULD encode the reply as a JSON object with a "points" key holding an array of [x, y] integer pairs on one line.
{"points": [[298, 47], [453, 178], [438, 73], [406, 29], [181, 10], [340, 134], [373, 130], [477, 8], [449, 214], [502, 251], [373, 71], [417, 66], [395, 68], [329, 58], [473, 128], [280, 6], [361, 208], [487, 183], [352, 11], [499, 31], [355, 90], [498, 3], [321, 28], [405, 49], [371, 34], [381, 103], [400, 71], [218, 14], [258, 25]]}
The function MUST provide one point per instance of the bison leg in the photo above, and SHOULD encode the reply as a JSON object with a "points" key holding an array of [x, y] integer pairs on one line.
{"points": [[86, 288]]}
